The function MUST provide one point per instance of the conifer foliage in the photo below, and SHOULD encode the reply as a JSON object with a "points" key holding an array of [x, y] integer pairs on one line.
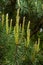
{"points": [[15, 48]]}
